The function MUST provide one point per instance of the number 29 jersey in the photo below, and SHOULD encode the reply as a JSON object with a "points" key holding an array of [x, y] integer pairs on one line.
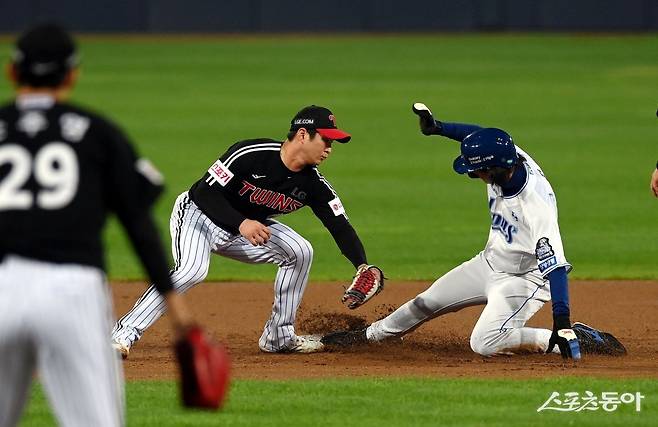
{"points": [[62, 169]]}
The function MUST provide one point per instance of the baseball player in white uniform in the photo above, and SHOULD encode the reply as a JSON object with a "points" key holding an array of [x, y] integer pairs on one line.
{"points": [[522, 266]]}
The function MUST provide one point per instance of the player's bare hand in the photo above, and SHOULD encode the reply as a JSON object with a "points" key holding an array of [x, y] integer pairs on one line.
{"points": [[256, 232], [654, 182]]}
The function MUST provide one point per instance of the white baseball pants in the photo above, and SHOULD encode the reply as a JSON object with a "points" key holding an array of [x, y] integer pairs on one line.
{"points": [[193, 237], [510, 301], [54, 320]]}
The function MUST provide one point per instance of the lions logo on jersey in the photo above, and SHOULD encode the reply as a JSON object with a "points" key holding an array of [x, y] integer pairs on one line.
{"points": [[545, 254]]}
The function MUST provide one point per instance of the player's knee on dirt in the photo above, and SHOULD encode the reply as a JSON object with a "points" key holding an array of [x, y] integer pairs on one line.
{"points": [[486, 343], [480, 347]]}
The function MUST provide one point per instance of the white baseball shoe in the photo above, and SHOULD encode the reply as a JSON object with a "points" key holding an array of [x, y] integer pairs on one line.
{"points": [[301, 344], [122, 349]]}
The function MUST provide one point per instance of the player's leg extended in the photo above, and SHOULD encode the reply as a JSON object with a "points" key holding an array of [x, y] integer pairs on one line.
{"points": [[461, 287], [192, 236], [293, 254], [80, 372], [512, 300], [17, 360]]}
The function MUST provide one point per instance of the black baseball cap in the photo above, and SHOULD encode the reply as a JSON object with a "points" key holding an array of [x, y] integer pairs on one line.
{"points": [[43, 55], [321, 120]]}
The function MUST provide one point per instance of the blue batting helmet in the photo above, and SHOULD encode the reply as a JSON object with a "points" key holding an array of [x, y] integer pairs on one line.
{"points": [[484, 149]]}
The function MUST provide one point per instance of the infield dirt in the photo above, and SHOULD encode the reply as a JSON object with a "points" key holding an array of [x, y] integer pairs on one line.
{"points": [[235, 313]]}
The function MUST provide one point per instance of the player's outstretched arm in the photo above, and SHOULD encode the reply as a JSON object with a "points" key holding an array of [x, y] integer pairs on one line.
{"points": [[654, 181], [563, 336], [430, 126]]}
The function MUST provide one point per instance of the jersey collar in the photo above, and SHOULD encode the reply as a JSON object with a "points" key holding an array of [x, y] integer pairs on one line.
{"points": [[517, 183], [34, 101]]}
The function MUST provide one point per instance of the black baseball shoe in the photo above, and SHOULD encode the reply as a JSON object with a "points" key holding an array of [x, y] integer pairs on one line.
{"points": [[593, 341], [345, 338]]}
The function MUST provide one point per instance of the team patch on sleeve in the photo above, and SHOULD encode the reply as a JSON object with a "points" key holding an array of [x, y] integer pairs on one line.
{"points": [[545, 255], [337, 207], [220, 173]]}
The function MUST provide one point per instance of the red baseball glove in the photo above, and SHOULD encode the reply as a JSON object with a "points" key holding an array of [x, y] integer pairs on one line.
{"points": [[368, 281], [204, 368]]}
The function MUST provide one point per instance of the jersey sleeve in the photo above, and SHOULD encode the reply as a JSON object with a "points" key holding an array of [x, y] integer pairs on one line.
{"points": [[224, 175], [549, 250], [457, 131], [131, 186], [327, 206], [224, 170], [559, 292]]}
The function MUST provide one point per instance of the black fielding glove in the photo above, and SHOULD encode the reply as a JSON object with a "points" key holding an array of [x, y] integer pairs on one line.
{"points": [[565, 338], [428, 126]]}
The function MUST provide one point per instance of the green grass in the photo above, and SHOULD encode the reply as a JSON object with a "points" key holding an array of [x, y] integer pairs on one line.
{"points": [[376, 402], [583, 106]]}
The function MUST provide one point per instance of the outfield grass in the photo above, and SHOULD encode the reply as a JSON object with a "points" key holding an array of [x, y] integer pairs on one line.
{"points": [[583, 106], [377, 402]]}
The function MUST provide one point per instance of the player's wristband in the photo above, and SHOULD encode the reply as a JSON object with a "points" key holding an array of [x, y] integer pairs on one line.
{"points": [[561, 322], [656, 165]]}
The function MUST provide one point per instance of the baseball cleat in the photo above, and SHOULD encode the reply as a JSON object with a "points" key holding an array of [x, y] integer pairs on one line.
{"points": [[301, 344], [306, 344], [593, 341], [346, 338], [122, 349]]}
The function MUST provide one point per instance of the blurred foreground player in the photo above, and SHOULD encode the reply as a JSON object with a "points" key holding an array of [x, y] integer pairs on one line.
{"points": [[62, 170]]}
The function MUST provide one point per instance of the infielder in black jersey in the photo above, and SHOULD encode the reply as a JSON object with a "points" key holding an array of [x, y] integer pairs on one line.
{"points": [[230, 210], [63, 169]]}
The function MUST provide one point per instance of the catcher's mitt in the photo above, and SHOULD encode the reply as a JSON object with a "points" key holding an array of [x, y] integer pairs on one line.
{"points": [[204, 369], [365, 285]]}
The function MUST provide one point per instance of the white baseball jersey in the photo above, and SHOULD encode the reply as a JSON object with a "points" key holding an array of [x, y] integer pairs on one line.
{"points": [[524, 235], [508, 276]]}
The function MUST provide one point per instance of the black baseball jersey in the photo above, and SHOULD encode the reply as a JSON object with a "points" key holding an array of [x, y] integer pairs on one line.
{"points": [[62, 169], [250, 181]]}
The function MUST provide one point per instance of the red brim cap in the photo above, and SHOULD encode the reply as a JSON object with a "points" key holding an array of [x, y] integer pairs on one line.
{"points": [[335, 134]]}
